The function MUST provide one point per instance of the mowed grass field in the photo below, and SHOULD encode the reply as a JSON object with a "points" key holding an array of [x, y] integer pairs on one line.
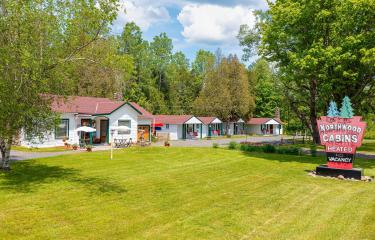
{"points": [[182, 193]]}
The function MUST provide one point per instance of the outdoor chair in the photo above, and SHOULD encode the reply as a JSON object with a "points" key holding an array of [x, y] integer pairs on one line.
{"points": [[129, 143], [82, 143]]}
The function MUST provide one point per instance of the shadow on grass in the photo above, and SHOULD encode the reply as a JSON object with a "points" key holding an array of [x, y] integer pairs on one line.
{"points": [[358, 162], [27, 176]]}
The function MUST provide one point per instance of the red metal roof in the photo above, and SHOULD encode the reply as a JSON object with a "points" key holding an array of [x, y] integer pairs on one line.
{"points": [[84, 105], [207, 120], [91, 105], [172, 119], [257, 121], [145, 113]]}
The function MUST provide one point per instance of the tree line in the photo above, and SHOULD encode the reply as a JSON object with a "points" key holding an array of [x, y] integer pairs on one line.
{"points": [[310, 53], [66, 48]]}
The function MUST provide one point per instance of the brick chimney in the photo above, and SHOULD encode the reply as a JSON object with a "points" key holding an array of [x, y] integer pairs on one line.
{"points": [[117, 96], [277, 112]]}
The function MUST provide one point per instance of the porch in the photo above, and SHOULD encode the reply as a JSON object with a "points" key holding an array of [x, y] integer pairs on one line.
{"points": [[100, 123], [192, 131]]}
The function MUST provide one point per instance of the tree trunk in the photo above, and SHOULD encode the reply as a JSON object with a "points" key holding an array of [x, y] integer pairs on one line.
{"points": [[227, 129], [5, 154], [2, 150], [313, 111]]}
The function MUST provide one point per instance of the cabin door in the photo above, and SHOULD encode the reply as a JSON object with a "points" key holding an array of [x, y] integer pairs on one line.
{"points": [[143, 133], [104, 130]]}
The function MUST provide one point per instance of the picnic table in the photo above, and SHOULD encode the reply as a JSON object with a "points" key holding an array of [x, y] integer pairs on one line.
{"points": [[122, 142]]}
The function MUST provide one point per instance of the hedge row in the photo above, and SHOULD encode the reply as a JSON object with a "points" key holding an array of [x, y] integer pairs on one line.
{"points": [[290, 150]]}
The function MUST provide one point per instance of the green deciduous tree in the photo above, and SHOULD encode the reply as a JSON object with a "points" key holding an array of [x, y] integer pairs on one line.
{"points": [[99, 71], [268, 91], [37, 41], [323, 50], [225, 93]]}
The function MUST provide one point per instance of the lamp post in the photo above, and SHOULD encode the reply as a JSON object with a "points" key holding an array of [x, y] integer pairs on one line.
{"points": [[112, 133]]}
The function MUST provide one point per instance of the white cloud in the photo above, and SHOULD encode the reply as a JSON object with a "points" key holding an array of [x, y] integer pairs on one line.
{"points": [[144, 15], [213, 24]]}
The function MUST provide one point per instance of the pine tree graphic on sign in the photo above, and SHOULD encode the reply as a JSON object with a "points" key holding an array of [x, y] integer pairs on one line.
{"points": [[346, 110], [332, 110]]}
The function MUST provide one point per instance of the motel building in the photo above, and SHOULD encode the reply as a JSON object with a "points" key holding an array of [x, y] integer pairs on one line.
{"points": [[102, 114], [212, 127], [106, 115], [236, 127], [178, 126], [265, 126]]}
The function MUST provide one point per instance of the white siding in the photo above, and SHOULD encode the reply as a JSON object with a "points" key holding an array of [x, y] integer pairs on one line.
{"points": [[193, 120], [256, 129], [174, 131], [124, 113], [144, 121], [49, 138], [204, 130]]}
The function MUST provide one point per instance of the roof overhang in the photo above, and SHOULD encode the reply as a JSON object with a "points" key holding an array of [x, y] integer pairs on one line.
{"points": [[272, 122], [193, 120], [216, 120]]}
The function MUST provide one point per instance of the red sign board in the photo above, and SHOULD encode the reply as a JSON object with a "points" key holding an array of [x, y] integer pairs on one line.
{"points": [[341, 137]]}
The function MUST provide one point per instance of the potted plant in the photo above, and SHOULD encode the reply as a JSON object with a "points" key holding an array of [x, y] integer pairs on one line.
{"points": [[75, 146], [89, 148], [166, 142]]}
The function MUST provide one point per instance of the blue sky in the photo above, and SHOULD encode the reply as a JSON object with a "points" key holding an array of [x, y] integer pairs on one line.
{"points": [[191, 24]]}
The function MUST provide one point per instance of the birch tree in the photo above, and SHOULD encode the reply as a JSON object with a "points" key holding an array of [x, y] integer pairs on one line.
{"points": [[38, 38]]}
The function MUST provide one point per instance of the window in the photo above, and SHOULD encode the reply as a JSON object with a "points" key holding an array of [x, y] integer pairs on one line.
{"points": [[166, 126], [62, 129], [126, 123]]}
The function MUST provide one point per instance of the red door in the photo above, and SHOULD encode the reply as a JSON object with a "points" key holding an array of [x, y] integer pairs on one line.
{"points": [[271, 129]]}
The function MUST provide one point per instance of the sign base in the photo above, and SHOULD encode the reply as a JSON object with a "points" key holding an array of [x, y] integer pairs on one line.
{"points": [[324, 170]]}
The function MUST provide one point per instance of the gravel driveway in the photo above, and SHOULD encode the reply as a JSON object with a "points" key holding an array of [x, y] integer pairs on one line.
{"points": [[19, 155], [220, 141]]}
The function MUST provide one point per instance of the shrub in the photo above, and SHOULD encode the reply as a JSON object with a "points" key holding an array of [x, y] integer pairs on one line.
{"points": [[292, 150], [313, 150], [243, 147], [232, 145], [215, 145], [269, 148], [281, 150], [154, 139]]}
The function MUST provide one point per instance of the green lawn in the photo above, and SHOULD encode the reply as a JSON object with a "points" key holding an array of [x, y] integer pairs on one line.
{"points": [[177, 193]]}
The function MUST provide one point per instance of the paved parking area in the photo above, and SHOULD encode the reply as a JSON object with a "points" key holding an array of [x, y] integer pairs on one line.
{"points": [[220, 141], [21, 155]]}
